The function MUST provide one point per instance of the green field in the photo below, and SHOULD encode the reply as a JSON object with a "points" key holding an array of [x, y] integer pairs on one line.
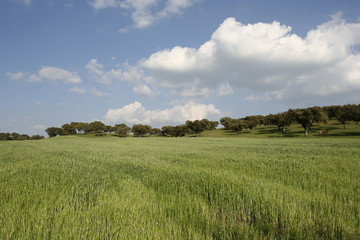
{"points": [[180, 188]]}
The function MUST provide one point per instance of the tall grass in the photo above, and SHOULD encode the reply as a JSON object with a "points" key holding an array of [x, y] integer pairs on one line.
{"points": [[180, 188]]}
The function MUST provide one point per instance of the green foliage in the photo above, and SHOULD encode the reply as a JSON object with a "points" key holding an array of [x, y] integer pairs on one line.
{"points": [[141, 130], [197, 126], [180, 188], [155, 132], [344, 113], [122, 130], [307, 117], [281, 120], [236, 125], [54, 131], [224, 121], [36, 137], [5, 136]]}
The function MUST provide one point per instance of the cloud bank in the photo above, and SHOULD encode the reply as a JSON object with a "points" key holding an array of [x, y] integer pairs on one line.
{"points": [[136, 113], [266, 58]]}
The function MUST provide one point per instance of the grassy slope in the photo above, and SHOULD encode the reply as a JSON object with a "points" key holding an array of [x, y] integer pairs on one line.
{"points": [[180, 188], [335, 128]]}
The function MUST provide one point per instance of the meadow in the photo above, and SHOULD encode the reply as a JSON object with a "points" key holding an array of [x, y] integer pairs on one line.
{"points": [[75, 187]]}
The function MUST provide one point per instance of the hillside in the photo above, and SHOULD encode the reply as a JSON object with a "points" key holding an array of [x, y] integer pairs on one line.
{"points": [[335, 128]]}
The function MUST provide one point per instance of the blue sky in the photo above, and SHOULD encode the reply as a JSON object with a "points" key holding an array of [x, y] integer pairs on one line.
{"points": [[162, 62]]}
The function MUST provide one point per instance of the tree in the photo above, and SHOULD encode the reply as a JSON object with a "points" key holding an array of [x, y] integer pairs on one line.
{"points": [[212, 125], [197, 126], [180, 130], [319, 115], [155, 132], [36, 137], [97, 127], [236, 125], [168, 131], [122, 130], [108, 129], [306, 117], [345, 113], [68, 129], [251, 122], [141, 130], [224, 121], [23, 137], [281, 120], [5, 136], [53, 131], [15, 136], [80, 127]]}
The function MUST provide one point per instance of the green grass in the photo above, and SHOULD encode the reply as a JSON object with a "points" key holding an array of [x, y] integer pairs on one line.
{"points": [[180, 188]]}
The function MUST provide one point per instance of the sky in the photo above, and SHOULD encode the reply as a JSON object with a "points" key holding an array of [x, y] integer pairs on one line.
{"points": [[162, 62]]}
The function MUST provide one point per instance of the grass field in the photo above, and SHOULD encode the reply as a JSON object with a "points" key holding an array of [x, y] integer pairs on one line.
{"points": [[180, 188]]}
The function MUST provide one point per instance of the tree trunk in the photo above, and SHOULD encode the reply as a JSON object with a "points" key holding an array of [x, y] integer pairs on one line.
{"points": [[306, 132], [284, 129]]}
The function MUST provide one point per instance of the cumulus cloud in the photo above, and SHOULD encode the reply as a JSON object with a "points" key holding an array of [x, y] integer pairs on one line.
{"points": [[51, 74], [265, 57], [136, 113], [143, 90], [145, 12], [58, 74]]}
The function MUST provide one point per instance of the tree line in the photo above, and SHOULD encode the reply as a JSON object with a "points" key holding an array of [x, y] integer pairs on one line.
{"points": [[306, 117], [122, 130], [17, 136]]}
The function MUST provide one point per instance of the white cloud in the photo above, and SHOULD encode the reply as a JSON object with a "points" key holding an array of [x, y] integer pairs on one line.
{"points": [[33, 78], [51, 74], [15, 76], [100, 4], [143, 90], [193, 92], [133, 75], [136, 113], [225, 89], [77, 90], [94, 67], [145, 12], [97, 70], [265, 57], [98, 93], [58, 74]]}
